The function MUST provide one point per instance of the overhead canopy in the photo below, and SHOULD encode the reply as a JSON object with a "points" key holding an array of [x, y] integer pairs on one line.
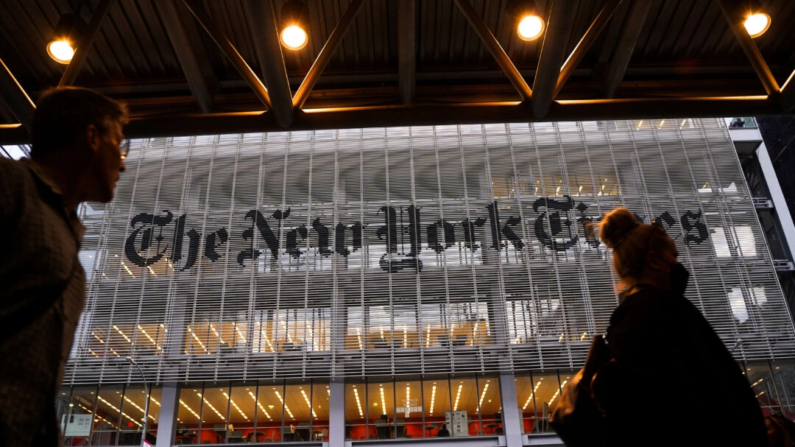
{"points": [[199, 67]]}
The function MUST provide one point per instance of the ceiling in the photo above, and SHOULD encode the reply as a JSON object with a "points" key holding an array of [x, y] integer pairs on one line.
{"points": [[399, 63]]}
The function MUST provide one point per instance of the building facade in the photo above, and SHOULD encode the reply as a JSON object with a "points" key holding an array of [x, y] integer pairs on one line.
{"points": [[354, 286]]}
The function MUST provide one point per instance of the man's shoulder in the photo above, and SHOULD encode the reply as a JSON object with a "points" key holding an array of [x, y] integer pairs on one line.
{"points": [[15, 181], [14, 169]]}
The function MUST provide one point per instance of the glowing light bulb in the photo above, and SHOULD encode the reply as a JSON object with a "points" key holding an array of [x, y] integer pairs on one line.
{"points": [[756, 24], [294, 37], [530, 28], [61, 51]]}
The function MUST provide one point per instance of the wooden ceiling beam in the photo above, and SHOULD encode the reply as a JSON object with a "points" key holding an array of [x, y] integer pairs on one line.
{"points": [[262, 22], [556, 40], [626, 44], [85, 44], [496, 50], [732, 11], [185, 54], [324, 57], [436, 114], [448, 114], [585, 43], [229, 50], [15, 97], [407, 50]]}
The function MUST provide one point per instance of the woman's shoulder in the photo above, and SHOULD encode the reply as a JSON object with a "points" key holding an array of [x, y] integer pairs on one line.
{"points": [[652, 302]]}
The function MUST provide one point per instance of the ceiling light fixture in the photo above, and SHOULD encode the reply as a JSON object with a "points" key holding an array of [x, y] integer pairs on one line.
{"points": [[757, 23], [532, 393], [212, 407], [294, 22], [457, 396], [482, 395], [60, 51], [530, 28], [308, 404], [236, 407], [358, 402], [529, 25], [433, 398], [68, 31], [260, 405], [285, 405]]}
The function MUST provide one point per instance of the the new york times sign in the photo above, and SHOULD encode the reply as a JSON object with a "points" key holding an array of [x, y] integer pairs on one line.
{"points": [[155, 237]]}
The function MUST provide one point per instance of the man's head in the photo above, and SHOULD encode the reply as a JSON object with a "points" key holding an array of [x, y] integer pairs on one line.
{"points": [[81, 130]]}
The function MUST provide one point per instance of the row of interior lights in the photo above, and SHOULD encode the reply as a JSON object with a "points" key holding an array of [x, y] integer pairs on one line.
{"points": [[359, 404], [295, 18]]}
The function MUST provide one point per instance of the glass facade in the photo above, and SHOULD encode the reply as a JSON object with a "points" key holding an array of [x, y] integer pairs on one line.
{"points": [[390, 409], [412, 250], [374, 408], [107, 415], [257, 412]]}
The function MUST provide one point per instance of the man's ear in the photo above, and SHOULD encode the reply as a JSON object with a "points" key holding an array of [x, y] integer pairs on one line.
{"points": [[93, 138]]}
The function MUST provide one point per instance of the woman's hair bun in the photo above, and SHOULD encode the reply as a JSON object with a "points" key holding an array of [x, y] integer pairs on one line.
{"points": [[616, 225]]}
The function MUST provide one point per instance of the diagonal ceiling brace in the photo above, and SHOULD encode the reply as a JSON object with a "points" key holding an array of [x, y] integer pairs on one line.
{"points": [[324, 57], [262, 22], [229, 51], [187, 58], [788, 93], [15, 97], [85, 44], [734, 15], [626, 44], [556, 39], [585, 43], [495, 49]]}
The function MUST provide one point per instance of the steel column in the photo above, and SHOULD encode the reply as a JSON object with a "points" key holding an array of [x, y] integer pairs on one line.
{"points": [[167, 421], [262, 22], [556, 39], [777, 195], [337, 414], [511, 416]]}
